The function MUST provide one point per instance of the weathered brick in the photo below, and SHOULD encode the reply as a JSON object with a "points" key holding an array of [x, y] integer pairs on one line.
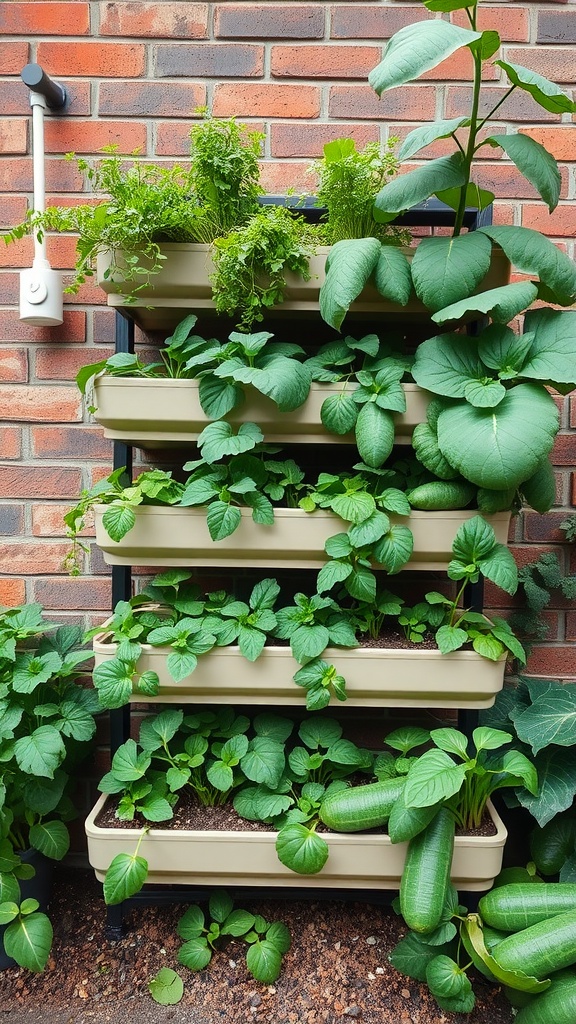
{"points": [[507, 182], [103, 321], [544, 529], [556, 27], [69, 594], [54, 404], [89, 136], [290, 139], [16, 99], [560, 141], [518, 107], [13, 56], [14, 136], [13, 329], [12, 592], [81, 442], [564, 451], [459, 67], [552, 662], [511, 23], [61, 250], [63, 363], [172, 138], [266, 100], [45, 18], [26, 558], [13, 365], [107, 60], [573, 410], [10, 443], [279, 177], [413, 102], [61, 175], [40, 481], [151, 99], [326, 61], [48, 520], [12, 210], [371, 21], [552, 62], [11, 519], [154, 20], [570, 625], [209, 60], [269, 21], [560, 223]]}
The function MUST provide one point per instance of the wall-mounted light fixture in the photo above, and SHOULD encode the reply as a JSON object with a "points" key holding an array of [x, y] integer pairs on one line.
{"points": [[40, 286]]}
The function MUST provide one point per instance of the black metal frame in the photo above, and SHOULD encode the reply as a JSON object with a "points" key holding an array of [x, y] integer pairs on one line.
{"points": [[432, 213]]}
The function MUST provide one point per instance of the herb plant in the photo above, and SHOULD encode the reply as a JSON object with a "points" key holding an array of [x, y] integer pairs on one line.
{"points": [[224, 173]]}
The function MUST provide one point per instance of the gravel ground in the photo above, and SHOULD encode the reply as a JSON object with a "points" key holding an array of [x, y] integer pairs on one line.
{"points": [[336, 970]]}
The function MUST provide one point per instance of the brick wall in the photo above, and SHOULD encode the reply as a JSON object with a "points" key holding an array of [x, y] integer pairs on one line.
{"points": [[135, 72]]}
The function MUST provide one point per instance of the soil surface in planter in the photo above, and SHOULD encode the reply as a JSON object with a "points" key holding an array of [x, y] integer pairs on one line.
{"points": [[336, 970]]}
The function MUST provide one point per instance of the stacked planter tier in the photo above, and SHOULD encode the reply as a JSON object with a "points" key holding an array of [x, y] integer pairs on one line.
{"points": [[177, 856], [183, 284]]}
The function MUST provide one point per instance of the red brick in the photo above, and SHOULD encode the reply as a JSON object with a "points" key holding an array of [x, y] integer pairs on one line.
{"points": [[561, 223], [90, 136], [106, 60], [45, 18], [527, 553], [150, 99], [279, 177], [13, 57], [64, 363], [26, 558], [504, 213], [550, 662], [325, 61], [40, 481], [13, 135], [289, 139], [371, 21], [11, 520], [48, 520], [69, 594], [413, 102], [61, 251], [507, 182], [155, 20], [80, 442], [12, 592], [209, 60], [552, 62], [544, 529], [173, 138], [103, 321], [72, 330], [459, 66], [573, 410], [32, 404], [12, 210], [518, 107], [511, 23], [269, 21], [10, 442], [571, 626], [61, 175], [266, 100], [560, 142], [556, 27], [16, 99], [564, 451], [14, 365]]}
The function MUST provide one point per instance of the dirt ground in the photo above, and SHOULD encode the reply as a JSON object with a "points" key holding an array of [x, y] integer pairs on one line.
{"points": [[336, 970]]}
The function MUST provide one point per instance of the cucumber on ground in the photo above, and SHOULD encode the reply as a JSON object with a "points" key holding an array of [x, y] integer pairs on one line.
{"points": [[426, 875], [441, 495], [541, 949], [521, 904], [361, 807], [557, 1005]]}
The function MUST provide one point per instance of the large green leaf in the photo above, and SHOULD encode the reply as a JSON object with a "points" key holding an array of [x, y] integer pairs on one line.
{"points": [[264, 762], [414, 187], [124, 878], [218, 397], [220, 439], [552, 354], [422, 136], [392, 275], [374, 434], [339, 413], [432, 778], [446, 364], [349, 265], [500, 448], [395, 549], [264, 961], [51, 838], [301, 849], [118, 520], [41, 752], [546, 93], [415, 49], [535, 163], [445, 270], [222, 519], [532, 253], [551, 718], [501, 304], [285, 381], [425, 444], [28, 941], [556, 767], [195, 954]]}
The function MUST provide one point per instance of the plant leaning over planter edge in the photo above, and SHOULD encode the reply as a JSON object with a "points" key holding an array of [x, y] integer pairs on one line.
{"points": [[47, 722], [445, 271]]}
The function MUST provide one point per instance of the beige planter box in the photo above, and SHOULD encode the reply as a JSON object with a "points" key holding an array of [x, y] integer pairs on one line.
{"points": [[170, 536], [165, 413], [249, 858], [183, 283], [375, 677]]}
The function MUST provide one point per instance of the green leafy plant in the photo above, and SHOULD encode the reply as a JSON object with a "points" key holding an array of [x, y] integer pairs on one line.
{"points": [[224, 173], [46, 726], [166, 987], [536, 581], [267, 942]]}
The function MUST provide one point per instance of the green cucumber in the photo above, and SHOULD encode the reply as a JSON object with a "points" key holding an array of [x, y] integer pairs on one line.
{"points": [[441, 495], [361, 807], [521, 904], [426, 875], [557, 1005], [542, 948]]}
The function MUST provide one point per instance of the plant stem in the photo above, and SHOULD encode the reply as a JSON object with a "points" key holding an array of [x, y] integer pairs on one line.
{"points": [[473, 130]]}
